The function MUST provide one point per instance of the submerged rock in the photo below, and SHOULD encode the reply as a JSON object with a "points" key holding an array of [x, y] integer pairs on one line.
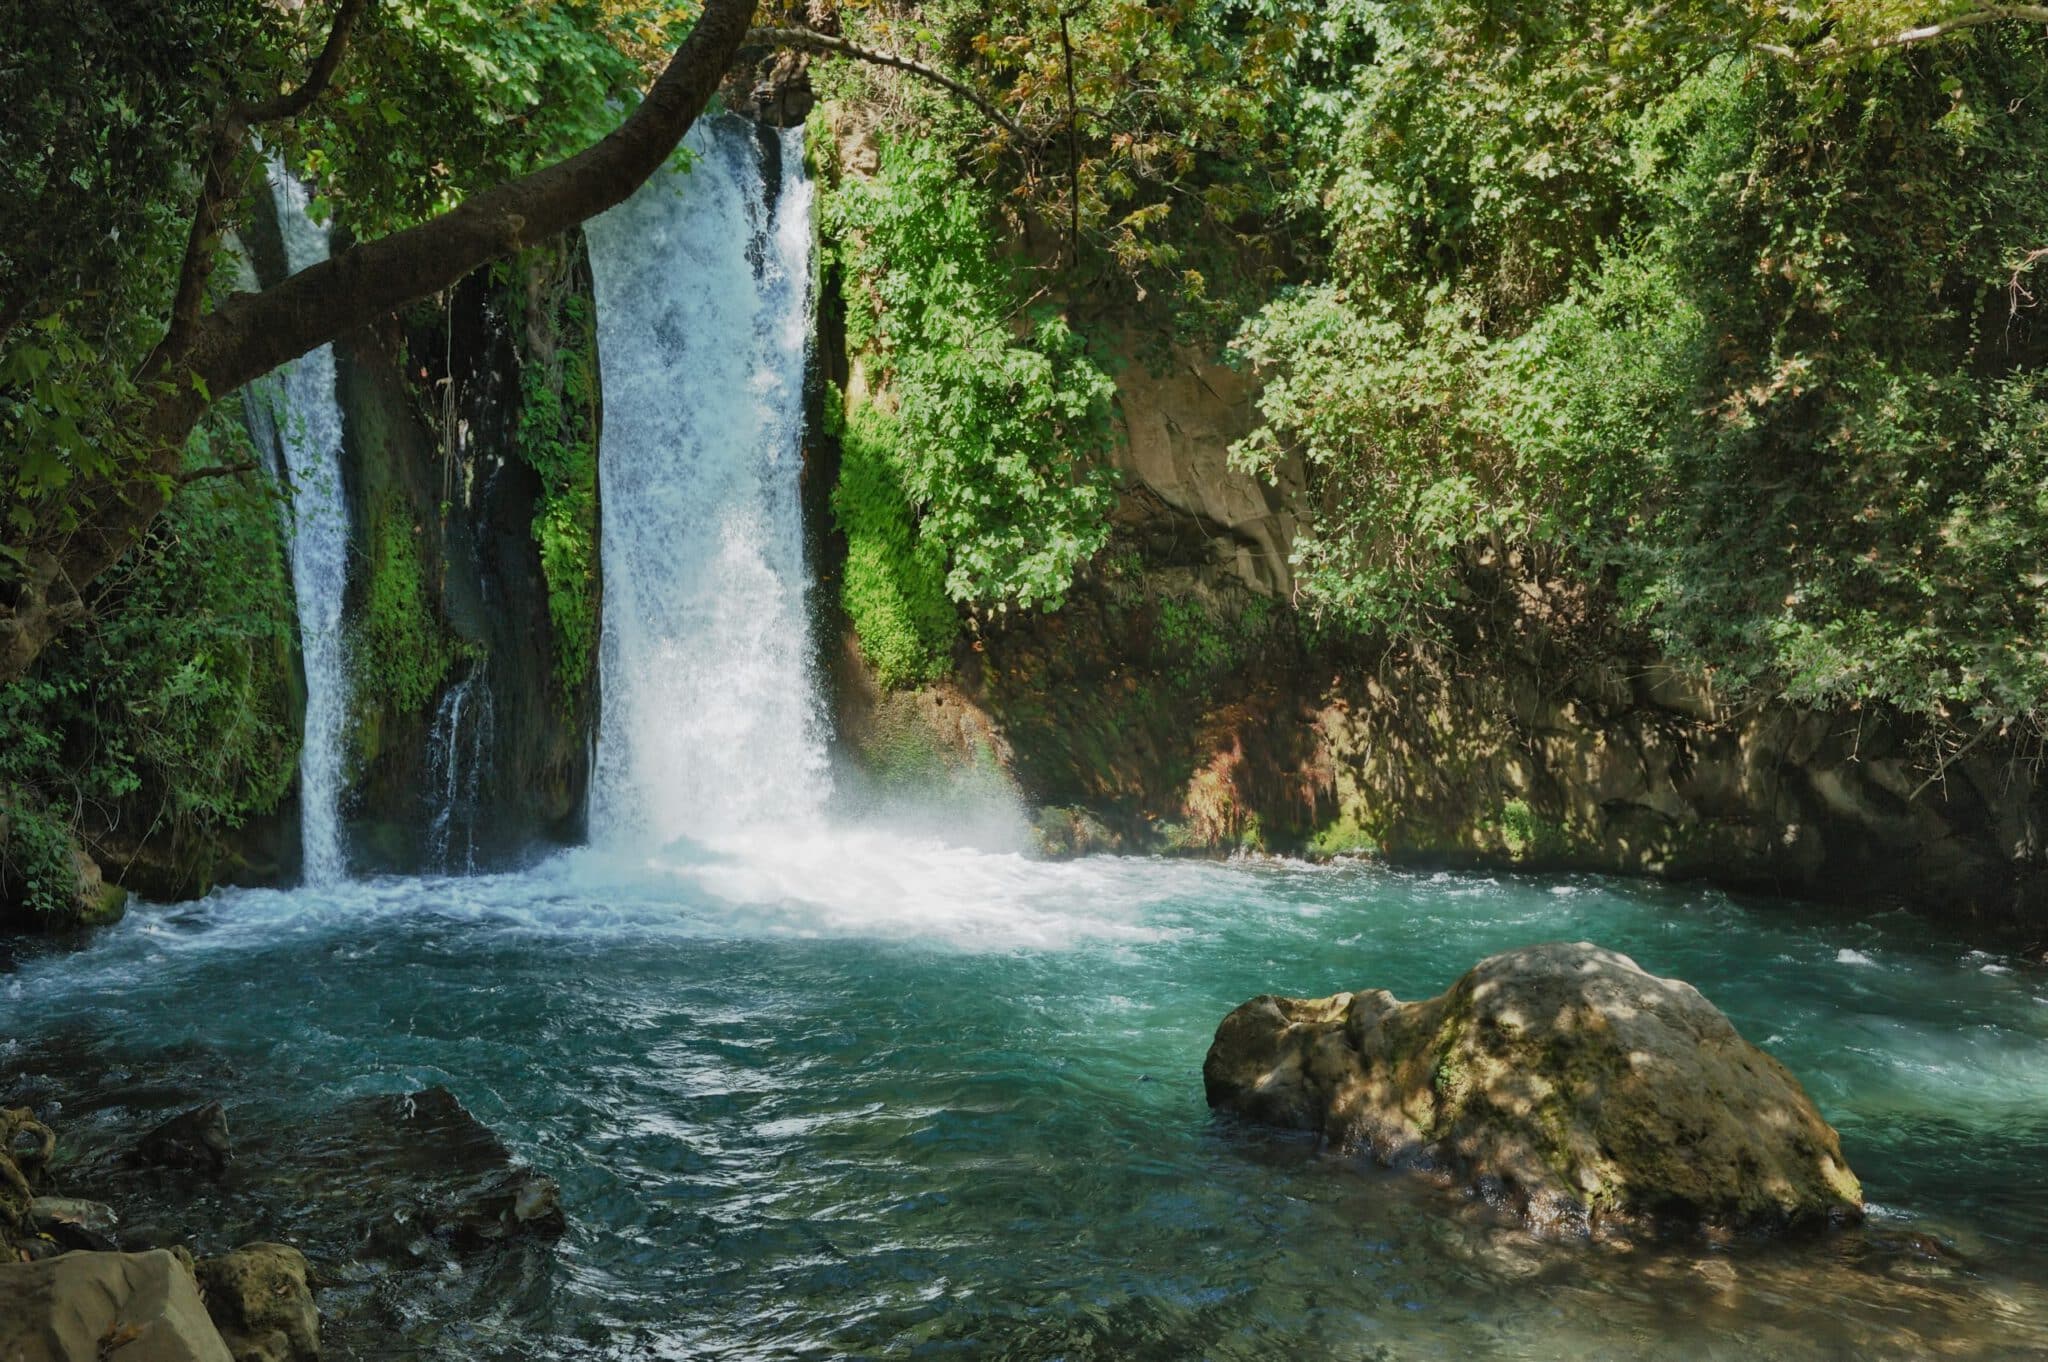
{"points": [[87, 1307], [1561, 1080], [196, 1139], [260, 1301], [73, 1223]]}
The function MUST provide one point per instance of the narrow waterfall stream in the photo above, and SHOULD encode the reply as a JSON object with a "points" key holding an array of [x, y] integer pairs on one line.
{"points": [[309, 435], [711, 721], [458, 764]]}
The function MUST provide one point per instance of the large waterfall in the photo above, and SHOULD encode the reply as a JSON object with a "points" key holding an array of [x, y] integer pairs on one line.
{"points": [[710, 719], [308, 426]]}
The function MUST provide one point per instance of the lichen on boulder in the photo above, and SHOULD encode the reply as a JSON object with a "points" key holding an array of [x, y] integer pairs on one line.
{"points": [[1562, 1081], [261, 1302]]}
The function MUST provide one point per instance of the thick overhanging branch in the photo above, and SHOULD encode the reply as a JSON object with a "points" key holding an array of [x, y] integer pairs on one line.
{"points": [[1925, 33], [218, 191], [252, 333], [809, 40], [298, 101]]}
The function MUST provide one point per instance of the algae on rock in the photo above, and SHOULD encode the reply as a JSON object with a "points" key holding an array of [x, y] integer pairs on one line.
{"points": [[1561, 1081]]}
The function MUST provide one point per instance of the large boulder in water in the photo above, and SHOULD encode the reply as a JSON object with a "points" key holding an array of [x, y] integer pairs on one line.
{"points": [[261, 1302], [1560, 1080], [87, 1307]]}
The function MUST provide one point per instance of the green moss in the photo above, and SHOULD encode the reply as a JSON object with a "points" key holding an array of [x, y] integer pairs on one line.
{"points": [[894, 587], [556, 436], [1345, 836], [1525, 836], [398, 648], [1199, 645]]}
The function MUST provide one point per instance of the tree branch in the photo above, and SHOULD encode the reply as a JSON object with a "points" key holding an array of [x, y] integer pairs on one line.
{"points": [[221, 470], [1992, 14], [217, 190], [203, 240], [808, 40], [2021, 295], [252, 333], [316, 82]]}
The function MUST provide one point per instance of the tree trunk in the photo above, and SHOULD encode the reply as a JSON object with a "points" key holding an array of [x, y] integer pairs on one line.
{"points": [[252, 333]]}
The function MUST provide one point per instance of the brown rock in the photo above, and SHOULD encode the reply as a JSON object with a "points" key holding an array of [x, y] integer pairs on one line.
{"points": [[259, 1298], [1560, 1080], [86, 1307], [196, 1139]]}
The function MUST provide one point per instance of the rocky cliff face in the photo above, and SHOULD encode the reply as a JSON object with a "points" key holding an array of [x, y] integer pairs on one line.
{"points": [[472, 739], [1177, 702], [468, 423]]}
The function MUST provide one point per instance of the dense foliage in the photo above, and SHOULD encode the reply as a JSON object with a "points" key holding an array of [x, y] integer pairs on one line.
{"points": [[1002, 419], [1739, 332], [1728, 306], [171, 708]]}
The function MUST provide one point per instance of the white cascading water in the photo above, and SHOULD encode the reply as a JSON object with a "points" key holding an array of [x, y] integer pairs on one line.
{"points": [[458, 765], [710, 722], [309, 437]]}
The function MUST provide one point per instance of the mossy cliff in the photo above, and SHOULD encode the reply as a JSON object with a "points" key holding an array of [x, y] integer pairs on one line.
{"points": [[471, 435], [1175, 700]]}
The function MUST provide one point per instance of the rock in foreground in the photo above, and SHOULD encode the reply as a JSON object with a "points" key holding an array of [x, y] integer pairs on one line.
{"points": [[1560, 1080], [89, 1307], [260, 1301]]}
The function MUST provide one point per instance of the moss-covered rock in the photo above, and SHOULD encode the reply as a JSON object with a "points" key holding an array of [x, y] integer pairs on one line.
{"points": [[260, 1301], [1562, 1081]]}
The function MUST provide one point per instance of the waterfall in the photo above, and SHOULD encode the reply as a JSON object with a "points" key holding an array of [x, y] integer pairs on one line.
{"points": [[458, 762], [710, 720], [308, 429]]}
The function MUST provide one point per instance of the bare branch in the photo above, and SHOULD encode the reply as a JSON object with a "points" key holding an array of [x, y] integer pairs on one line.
{"points": [[316, 82], [1991, 14], [808, 40], [2022, 296], [220, 470]]}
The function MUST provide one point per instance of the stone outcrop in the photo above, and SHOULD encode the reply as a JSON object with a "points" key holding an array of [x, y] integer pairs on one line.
{"points": [[87, 900], [429, 1170], [1562, 1081], [1179, 416], [259, 1299], [197, 1140], [89, 1307]]}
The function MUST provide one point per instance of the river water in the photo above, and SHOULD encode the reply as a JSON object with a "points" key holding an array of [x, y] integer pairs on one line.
{"points": [[862, 1095]]}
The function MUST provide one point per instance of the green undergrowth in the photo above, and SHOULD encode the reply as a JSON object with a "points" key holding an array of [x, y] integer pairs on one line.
{"points": [[171, 707], [1001, 426], [894, 585], [557, 436]]}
